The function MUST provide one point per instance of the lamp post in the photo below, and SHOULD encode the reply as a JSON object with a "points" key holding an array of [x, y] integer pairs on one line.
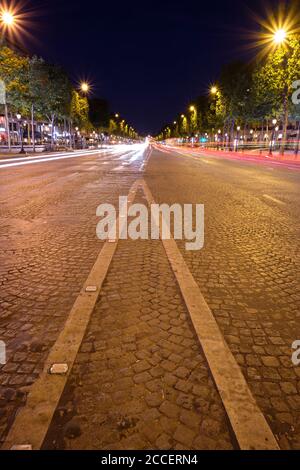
{"points": [[279, 39], [214, 93], [237, 138], [7, 23], [21, 130], [184, 125], [274, 122], [193, 119], [219, 136], [226, 141]]}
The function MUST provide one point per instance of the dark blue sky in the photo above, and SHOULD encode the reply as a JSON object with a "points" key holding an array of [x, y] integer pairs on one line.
{"points": [[148, 58]]}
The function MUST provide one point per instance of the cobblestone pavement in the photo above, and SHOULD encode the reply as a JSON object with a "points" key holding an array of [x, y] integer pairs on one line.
{"points": [[248, 270], [48, 246], [140, 380]]}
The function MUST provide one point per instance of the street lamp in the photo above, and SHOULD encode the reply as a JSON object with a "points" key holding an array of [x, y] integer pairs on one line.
{"points": [[21, 130], [193, 119], [279, 39], [7, 18], [274, 122], [237, 138], [85, 87], [214, 90], [280, 36]]}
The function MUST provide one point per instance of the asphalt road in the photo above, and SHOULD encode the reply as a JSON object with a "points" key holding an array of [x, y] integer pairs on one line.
{"points": [[248, 273]]}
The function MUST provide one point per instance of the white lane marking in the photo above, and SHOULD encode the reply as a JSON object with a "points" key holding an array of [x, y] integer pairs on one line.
{"points": [[136, 156], [55, 154], [41, 160], [92, 168], [208, 162], [146, 161], [125, 156], [29, 160], [33, 420], [248, 422], [273, 199]]}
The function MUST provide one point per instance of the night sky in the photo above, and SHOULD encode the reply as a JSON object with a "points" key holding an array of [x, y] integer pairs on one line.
{"points": [[149, 59]]}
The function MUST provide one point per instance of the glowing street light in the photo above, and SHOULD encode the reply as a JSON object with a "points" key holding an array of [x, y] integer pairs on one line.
{"points": [[280, 36], [7, 18], [85, 87], [192, 109], [214, 90]]}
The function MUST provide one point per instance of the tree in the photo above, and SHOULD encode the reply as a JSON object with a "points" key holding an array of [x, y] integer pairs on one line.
{"points": [[80, 110], [113, 127], [236, 86], [13, 72], [273, 82], [57, 95]]}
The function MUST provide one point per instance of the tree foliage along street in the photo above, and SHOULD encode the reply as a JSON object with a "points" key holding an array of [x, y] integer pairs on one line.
{"points": [[247, 95], [41, 91]]}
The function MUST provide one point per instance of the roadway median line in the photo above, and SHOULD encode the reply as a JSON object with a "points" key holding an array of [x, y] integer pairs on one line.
{"points": [[248, 422], [273, 199], [32, 422]]}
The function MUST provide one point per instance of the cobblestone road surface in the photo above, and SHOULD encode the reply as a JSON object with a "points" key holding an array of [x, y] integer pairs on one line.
{"points": [[248, 270], [140, 379], [48, 247]]}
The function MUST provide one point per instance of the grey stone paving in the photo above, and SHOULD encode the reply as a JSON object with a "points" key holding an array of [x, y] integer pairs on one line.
{"points": [[48, 246], [248, 271], [140, 380]]}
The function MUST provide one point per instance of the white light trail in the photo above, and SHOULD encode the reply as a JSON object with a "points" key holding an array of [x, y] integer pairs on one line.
{"points": [[61, 156]]}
